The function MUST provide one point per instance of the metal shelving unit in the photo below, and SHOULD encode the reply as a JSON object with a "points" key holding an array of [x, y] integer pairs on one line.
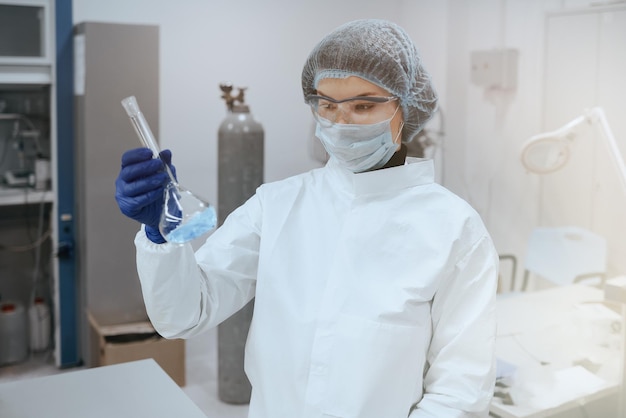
{"points": [[35, 82]]}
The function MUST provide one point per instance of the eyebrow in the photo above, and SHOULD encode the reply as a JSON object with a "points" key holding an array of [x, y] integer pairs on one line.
{"points": [[358, 95]]}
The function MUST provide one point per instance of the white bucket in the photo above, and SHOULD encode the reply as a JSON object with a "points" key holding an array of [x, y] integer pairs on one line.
{"points": [[13, 335]]}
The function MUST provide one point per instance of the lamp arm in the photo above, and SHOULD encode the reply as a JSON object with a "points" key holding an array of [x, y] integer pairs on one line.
{"points": [[596, 116], [566, 131]]}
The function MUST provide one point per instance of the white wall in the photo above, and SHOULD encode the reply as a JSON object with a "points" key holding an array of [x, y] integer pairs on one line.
{"points": [[263, 44], [487, 128], [258, 44]]}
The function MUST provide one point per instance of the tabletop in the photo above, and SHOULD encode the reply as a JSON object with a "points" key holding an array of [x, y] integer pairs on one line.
{"points": [[135, 389], [557, 349]]}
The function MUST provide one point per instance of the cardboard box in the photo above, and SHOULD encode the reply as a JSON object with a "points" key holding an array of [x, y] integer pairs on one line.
{"points": [[120, 343]]}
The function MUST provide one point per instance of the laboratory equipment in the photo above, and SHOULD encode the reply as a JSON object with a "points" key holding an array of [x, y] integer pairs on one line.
{"points": [[20, 142], [240, 172], [185, 216], [240, 153]]}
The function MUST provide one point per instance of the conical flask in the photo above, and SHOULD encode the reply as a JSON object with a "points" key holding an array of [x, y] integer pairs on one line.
{"points": [[185, 216]]}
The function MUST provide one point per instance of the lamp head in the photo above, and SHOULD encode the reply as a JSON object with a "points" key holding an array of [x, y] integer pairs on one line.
{"points": [[548, 152]]}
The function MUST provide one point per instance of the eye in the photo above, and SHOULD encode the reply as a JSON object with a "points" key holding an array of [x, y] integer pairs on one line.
{"points": [[363, 106], [326, 105]]}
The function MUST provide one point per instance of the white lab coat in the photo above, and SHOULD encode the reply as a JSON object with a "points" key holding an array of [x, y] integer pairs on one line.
{"points": [[374, 291]]}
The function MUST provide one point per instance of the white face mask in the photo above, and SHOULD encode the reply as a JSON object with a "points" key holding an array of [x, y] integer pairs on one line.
{"points": [[358, 147]]}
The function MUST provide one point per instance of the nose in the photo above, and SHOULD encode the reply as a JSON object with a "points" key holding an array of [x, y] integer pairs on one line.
{"points": [[342, 115]]}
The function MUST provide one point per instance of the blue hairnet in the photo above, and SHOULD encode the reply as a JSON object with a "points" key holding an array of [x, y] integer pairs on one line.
{"points": [[382, 53]]}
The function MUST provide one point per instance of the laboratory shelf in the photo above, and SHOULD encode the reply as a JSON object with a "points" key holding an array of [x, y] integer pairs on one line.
{"points": [[24, 196], [21, 74], [36, 82]]}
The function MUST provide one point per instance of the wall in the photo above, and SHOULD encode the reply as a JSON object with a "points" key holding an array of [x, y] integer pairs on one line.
{"points": [[262, 45], [488, 127]]}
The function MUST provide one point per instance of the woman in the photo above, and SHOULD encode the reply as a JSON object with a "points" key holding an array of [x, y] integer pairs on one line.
{"points": [[374, 287]]}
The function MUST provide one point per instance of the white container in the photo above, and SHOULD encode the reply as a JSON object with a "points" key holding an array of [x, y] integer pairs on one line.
{"points": [[13, 333], [39, 319], [42, 174]]}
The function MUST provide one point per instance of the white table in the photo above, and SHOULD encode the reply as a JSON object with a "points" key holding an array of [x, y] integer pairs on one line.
{"points": [[551, 337], [136, 389]]}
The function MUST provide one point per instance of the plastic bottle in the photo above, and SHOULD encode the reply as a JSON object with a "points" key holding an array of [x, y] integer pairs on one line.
{"points": [[39, 318]]}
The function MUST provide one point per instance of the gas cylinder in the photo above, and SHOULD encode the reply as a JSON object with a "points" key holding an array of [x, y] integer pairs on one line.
{"points": [[240, 172]]}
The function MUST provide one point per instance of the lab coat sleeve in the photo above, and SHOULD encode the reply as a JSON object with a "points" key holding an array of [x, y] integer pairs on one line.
{"points": [[460, 375], [186, 293]]}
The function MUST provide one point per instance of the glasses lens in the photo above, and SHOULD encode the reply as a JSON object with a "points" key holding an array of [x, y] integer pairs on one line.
{"points": [[355, 110]]}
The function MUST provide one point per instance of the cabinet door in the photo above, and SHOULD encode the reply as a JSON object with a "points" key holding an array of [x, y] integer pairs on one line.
{"points": [[585, 64], [25, 27]]}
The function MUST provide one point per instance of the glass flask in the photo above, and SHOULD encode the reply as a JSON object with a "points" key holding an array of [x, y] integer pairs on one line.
{"points": [[185, 216]]}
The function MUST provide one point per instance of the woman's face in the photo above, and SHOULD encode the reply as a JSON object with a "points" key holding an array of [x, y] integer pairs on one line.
{"points": [[343, 88]]}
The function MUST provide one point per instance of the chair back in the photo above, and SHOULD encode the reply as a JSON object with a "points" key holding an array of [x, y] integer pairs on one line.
{"points": [[565, 255]]}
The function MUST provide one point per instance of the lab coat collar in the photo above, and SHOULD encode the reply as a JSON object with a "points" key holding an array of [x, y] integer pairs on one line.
{"points": [[417, 171]]}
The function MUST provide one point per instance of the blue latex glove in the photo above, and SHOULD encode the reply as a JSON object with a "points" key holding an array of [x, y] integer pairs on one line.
{"points": [[139, 188]]}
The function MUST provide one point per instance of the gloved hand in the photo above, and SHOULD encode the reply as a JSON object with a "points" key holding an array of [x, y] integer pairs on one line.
{"points": [[139, 188]]}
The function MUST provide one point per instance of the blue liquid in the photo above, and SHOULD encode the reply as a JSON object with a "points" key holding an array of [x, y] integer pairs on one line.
{"points": [[199, 224]]}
